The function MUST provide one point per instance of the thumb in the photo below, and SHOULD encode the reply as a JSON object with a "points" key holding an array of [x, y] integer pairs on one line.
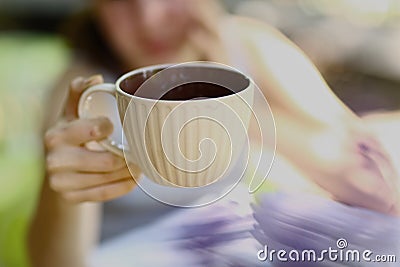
{"points": [[76, 88]]}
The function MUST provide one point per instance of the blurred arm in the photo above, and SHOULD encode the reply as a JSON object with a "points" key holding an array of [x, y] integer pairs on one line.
{"points": [[315, 130], [289, 79], [62, 233]]}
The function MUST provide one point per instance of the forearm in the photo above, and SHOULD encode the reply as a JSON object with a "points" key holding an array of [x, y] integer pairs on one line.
{"points": [[290, 80], [315, 130], [62, 234], [307, 144]]}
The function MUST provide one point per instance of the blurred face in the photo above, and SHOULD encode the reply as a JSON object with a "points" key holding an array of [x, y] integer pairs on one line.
{"points": [[146, 32]]}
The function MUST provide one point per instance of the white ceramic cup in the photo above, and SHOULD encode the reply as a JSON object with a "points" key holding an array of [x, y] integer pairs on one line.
{"points": [[186, 137]]}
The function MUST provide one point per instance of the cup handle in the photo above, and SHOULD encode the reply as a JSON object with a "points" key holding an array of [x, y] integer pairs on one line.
{"points": [[100, 100]]}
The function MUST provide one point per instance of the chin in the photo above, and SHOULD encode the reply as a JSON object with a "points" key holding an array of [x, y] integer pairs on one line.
{"points": [[151, 60], [185, 54]]}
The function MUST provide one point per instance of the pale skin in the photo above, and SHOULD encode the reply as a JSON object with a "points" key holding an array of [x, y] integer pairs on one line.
{"points": [[76, 172], [288, 79]]}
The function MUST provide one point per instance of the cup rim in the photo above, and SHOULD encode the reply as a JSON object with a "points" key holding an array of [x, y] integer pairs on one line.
{"points": [[167, 65]]}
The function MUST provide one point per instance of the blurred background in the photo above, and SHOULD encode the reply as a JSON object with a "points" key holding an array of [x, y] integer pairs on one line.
{"points": [[355, 44], [343, 37]]}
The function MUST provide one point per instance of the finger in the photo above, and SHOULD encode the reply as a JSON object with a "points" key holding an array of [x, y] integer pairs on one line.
{"points": [[205, 32], [211, 48], [72, 181], [78, 132], [101, 193], [371, 149], [76, 87], [79, 159], [388, 191], [385, 166], [365, 187], [205, 16]]}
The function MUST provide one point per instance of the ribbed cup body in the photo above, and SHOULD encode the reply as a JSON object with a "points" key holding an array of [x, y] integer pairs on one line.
{"points": [[185, 143]]}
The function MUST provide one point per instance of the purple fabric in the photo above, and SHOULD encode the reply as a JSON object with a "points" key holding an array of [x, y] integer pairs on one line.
{"points": [[303, 222]]}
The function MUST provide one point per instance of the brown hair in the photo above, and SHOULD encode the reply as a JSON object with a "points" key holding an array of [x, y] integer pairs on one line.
{"points": [[85, 39]]}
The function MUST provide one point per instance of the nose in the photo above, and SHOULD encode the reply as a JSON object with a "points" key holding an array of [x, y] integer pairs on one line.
{"points": [[153, 15]]}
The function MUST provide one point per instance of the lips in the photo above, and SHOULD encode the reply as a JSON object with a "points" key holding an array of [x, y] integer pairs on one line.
{"points": [[157, 46]]}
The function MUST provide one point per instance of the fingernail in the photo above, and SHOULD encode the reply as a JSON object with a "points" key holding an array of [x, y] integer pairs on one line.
{"points": [[76, 83], [105, 126], [93, 79], [95, 131]]}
